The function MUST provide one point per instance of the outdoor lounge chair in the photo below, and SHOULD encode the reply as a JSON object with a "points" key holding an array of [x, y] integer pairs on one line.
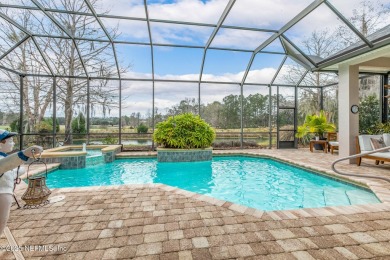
{"points": [[333, 143], [363, 144]]}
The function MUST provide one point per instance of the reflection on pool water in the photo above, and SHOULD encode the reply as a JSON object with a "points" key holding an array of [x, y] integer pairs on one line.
{"points": [[255, 182], [140, 142], [137, 142]]}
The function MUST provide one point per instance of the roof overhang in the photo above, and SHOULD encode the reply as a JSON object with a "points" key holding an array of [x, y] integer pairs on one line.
{"points": [[371, 60]]}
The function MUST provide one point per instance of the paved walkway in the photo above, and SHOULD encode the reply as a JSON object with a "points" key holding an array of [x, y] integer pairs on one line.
{"points": [[155, 221]]}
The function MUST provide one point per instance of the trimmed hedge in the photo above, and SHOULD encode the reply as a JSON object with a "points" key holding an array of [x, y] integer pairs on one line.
{"points": [[185, 131]]}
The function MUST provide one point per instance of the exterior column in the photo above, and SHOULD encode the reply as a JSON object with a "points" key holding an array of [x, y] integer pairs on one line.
{"points": [[348, 122]]}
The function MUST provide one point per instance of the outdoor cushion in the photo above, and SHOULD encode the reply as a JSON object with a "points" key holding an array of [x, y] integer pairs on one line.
{"points": [[381, 155], [334, 143], [365, 142], [378, 144], [386, 138]]}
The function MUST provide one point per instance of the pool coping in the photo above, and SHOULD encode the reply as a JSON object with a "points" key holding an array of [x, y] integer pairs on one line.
{"points": [[66, 151], [383, 194]]}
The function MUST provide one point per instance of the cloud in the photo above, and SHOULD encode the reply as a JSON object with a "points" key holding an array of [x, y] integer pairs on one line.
{"points": [[347, 7], [239, 39], [261, 76], [127, 30], [136, 75], [188, 10], [131, 8], [265, 14], [260, 14], [322, 18]]}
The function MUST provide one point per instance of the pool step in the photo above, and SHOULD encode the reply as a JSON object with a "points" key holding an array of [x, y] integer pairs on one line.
{"points": [[336, 197], [360, 197], [312, 198]]}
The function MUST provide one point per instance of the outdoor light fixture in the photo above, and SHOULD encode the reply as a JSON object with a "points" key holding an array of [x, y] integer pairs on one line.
{"points": [[355, 109], [37, 192]]}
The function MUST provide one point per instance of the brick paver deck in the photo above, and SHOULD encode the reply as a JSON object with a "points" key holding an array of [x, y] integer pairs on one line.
{"points": [[154, 221]]}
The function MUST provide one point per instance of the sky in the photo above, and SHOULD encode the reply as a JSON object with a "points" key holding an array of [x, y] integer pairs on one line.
{"points": [[257, 14], [186, 63], [181, 63]]}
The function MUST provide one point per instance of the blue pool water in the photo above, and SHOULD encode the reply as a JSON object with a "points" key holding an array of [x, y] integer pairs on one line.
{"points": [[255, 182]]}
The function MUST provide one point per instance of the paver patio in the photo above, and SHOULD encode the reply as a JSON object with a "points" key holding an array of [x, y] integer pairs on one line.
{"points": [[155, 221]]}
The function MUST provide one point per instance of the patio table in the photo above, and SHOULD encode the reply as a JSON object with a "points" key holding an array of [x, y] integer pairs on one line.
{"points": [[324, 143]]}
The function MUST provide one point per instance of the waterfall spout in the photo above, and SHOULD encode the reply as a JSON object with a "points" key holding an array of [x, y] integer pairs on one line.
{"points": [[84, 147]]}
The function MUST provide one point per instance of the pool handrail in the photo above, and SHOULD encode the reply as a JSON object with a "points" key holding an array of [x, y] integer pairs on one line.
{"points": [[357, 156]]}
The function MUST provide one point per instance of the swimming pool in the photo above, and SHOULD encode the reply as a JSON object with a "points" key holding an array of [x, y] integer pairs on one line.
{"points": [[254, 182]]}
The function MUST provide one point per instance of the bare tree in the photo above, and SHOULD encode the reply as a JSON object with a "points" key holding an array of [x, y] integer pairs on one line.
{"points": [[322, 44], [68, 58], [37, 92], [367, 18], [95, 58]]}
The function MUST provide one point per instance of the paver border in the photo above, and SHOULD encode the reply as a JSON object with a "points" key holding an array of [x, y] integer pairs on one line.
{"points": [[379, 189]]}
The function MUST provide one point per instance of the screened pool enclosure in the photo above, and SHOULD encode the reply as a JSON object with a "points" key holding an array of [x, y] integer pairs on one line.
{"points": [[106, 72]]}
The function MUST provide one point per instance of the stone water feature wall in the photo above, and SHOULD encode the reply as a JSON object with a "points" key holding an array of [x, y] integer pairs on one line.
{"points": [[184, 155], [71, 162], [109, 156], [77, 159]]}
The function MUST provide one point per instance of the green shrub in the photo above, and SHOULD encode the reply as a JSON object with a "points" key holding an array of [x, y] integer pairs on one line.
{"points": [[379, 128], [15, 125], [110, 140], [184, 131], [46, 126], [79, 125], [315, 123], [142, 129], [50, 122], [369, 115]]}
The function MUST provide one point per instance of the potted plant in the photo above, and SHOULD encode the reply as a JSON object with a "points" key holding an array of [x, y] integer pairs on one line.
{"points": [[316, 124], [179, 134]]}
